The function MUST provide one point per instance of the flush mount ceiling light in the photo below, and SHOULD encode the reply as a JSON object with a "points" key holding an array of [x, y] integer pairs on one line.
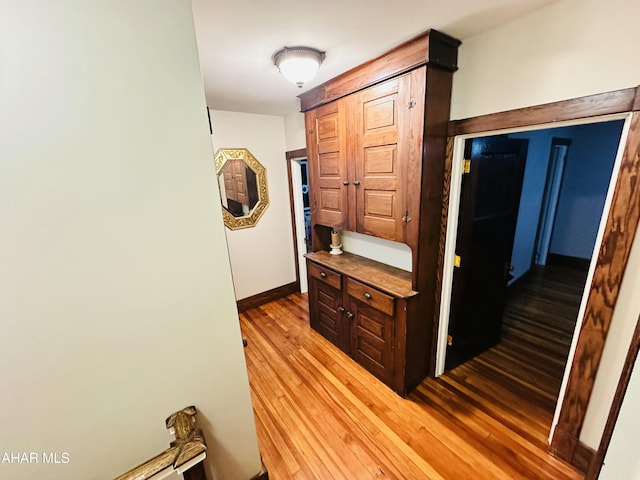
{"points": [[298, 64]]}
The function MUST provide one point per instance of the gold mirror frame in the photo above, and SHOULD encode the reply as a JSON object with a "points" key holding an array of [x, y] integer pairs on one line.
{"points": [[221, 157]]}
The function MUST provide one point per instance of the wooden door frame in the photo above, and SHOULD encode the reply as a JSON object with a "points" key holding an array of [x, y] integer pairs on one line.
{"points": [[547, 219], [290, 155], [630, 361], [621, 226]]}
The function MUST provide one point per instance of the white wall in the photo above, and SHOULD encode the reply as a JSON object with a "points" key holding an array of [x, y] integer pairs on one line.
{"points": [[569, 49], [385, 251], [261, 257], [622, 460], [294, 131], [533, 185], [116, 301], [585, 184]]}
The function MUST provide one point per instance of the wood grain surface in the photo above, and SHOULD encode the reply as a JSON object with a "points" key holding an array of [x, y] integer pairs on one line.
{"points": [[390, 279], [433, 48], [618, 101], [320, 415], [188, 444], [620, 231]]}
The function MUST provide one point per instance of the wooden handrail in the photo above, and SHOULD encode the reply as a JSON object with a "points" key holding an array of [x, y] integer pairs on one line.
{"points": [[186, 450]]}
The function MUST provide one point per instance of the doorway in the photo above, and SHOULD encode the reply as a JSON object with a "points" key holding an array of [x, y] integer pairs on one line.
{"points": [[490, 196], [555, 172], [569, 236], [297, 165], [606, 268]]}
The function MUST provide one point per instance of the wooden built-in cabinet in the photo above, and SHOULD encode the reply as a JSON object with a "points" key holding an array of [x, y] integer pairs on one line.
{"points": [[361, 306], [325, 294], [235, 181], [376, 140], [366, 147]]}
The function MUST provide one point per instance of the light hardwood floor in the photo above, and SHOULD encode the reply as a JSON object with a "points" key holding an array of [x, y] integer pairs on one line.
{"points": [[319, 415]]}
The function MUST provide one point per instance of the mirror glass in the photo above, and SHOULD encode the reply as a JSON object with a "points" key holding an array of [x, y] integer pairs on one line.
{"points": [[242, 180]]}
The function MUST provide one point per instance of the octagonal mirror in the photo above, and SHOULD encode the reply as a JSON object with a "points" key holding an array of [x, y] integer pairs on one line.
{"points": [[242, 181]]}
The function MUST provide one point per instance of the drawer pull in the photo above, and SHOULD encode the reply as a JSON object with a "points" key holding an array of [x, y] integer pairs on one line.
{"points": [[367, 295], [323, 275]]}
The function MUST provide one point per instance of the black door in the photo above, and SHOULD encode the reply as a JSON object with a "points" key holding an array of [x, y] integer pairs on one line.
{"points": [[486, 228]]}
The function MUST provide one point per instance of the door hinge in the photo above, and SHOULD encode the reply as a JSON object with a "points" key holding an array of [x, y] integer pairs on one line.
{"points": [[411, 104], [457, 261], [466, 166], [449, 340], [406, 218]]}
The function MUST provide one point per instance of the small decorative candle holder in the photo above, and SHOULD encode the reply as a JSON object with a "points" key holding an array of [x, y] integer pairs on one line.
{"points": [[336, 246]]}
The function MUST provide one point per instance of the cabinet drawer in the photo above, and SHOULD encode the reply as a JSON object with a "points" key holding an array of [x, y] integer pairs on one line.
{"points": [[324, 274], [371, 296]]}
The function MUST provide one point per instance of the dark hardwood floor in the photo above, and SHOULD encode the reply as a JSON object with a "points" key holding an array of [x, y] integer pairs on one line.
{"points": [[319, 415], [538, 325]]}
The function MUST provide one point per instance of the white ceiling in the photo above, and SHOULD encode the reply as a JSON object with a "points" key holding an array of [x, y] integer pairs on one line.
{"points": [[236, 39]]}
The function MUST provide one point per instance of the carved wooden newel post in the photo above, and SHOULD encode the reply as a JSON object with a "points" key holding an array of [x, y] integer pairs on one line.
{"points": [[189, 442], [184, 455]]}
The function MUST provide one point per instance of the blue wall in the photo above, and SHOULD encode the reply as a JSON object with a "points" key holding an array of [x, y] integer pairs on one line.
{"points": [[584, 188], [535, 175]]}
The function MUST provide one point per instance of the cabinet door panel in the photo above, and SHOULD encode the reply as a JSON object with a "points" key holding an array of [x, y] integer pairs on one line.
{"points": [[240, 179], [372, 340], [324, 312], [235, 181], [327, 159], [380, 160], [380, 113], [380, 194]]}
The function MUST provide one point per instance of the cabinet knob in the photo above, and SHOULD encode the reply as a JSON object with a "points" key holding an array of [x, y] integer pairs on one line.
{"points": [[323, 275], [346, 182], [341, 309], [356, 182], [350, 315], [367, 295]]}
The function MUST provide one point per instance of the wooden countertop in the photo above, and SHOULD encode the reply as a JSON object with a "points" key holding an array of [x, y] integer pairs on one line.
{"points": [[390, 279]]}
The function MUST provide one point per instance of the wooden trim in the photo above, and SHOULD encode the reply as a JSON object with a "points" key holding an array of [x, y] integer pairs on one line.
{"points": [[619, 101], [188, 446], [268, 296], [620, 231], [557, 259], [444, 221], [302, 152], [560, 141], [262, 474], [197, 472], [583, 457], [431, 48], [614, 411]]}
